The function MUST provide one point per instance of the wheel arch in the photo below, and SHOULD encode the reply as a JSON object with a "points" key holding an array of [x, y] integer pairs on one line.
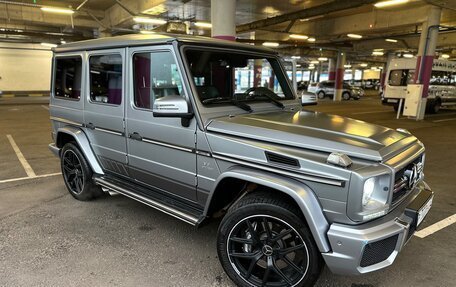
{"points": [[67, 134], [300, 193]]}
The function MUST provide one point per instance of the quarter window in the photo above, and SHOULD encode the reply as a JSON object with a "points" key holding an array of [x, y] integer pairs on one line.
{"points": [[106, 79], [67, 78], [401, 77], [155, 76]]}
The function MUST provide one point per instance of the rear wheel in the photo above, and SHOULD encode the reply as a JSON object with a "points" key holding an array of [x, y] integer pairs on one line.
{"points": [[263, 242], [346, 96], [321, 95], [77, 173], [434, 106]]}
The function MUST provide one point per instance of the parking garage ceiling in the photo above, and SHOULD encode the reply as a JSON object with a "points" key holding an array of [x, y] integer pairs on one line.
{"points": [[328, 22]]}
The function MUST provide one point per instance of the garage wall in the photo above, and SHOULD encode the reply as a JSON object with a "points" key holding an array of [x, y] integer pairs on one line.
{"points": [[24, 68]]}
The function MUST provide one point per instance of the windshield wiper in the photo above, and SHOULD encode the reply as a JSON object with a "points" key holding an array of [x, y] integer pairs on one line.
{"points": [[238, 104]]}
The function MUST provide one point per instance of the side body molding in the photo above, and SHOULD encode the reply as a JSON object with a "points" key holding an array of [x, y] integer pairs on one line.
{"points": [[301, 194], [84, 145]]}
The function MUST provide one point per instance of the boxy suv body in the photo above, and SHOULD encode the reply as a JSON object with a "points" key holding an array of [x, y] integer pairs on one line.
{"points": [[326, 89], [177, 123]]}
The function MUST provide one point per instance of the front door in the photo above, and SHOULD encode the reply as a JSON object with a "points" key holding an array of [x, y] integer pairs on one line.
{"points": [[160, 150], [104, 109]]}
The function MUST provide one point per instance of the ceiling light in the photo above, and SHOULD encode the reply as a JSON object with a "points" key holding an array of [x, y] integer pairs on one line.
{"points": [[311, 67], [311, 39], [270, 44], [62, 42], [296, 57], [149, 20], [314, 62], [445, 56], [312, 18], [298, 65], [391, 40], [300, 37], [407, 55], [389, 3], [57, 10], [322, 59], [203, 24], [50, 45], [156, 10], [377, 53], [363, 65], [347, 66], [146, 32], [355, 36]]}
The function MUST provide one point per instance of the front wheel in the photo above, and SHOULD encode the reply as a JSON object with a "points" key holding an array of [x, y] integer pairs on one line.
{"points": [[321, 95], [346, 96], [263, 242]]}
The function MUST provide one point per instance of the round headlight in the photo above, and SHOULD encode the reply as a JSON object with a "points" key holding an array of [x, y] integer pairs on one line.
{"points": [[368, 190]]}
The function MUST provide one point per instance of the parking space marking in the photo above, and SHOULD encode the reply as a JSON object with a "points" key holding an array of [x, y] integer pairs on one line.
{"points": [[372, 112], [45, 107], [436, 227], [444, 120], [29, 177], [28, 169]]}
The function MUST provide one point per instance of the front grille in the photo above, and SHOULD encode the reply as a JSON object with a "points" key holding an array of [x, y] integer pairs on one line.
{"points": [[401, 179], [378, 251]]}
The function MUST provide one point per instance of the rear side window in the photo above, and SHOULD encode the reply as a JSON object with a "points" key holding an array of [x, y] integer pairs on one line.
{"points": [[67, 75], [106, 79], [155, 76]]}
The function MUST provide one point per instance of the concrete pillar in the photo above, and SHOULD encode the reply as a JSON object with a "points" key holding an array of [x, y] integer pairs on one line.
{"points": [[426, 50], [339, 80], [223, 13], [331, 69], [319, 71], [293, 75]]}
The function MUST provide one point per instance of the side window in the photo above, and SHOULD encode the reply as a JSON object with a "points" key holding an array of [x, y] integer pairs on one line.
{"points": [[106, 79], [67, 77], [155, 75]]}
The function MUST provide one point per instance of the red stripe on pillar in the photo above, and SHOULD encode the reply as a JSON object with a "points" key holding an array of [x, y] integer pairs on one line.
{"points": [[225, 37], [331, 76], [426, 72], [339, 78]]}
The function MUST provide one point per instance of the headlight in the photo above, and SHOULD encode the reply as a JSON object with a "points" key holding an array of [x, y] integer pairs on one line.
{"points": [[375, 197], [368, 190]]}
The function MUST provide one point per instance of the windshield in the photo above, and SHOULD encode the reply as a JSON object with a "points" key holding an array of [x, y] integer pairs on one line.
{"points": [[237, 78]]}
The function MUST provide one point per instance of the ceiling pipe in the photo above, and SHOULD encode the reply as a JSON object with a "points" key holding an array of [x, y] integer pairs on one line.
{"points": [[326, 8]]}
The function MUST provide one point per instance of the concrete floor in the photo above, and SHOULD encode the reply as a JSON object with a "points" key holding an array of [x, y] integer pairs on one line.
{"points": [[49, 239]]}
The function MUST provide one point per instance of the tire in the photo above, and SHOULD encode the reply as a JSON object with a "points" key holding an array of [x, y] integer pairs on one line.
{"points": [[77, 174], [434, 107], [245, 243], [321, 95], [346, 96]]}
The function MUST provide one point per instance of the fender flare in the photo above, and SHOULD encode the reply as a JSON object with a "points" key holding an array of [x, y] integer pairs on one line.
{"points": [[298, 191], [84, 144]]}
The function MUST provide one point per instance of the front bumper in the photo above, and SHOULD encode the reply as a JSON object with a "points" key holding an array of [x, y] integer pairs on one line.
{"points": [[375, 245]]}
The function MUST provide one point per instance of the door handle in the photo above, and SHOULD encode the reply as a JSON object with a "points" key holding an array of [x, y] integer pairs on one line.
{"points": [[135, 136], [90, 126]]}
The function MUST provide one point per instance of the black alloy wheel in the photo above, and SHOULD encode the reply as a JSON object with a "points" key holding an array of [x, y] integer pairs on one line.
{"points": [[264, 241], [267, 251], [72, 171]]}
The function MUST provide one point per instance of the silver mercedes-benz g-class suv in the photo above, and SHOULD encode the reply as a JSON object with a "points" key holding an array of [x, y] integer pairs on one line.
{"points": [[201, 128]]}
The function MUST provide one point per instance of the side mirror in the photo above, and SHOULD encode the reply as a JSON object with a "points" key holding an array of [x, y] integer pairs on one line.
{"points": [[308, 99], [172, 107]]}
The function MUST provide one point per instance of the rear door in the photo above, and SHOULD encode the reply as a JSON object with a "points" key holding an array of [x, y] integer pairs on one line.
{"points": [[160, 149], [104, 108]]}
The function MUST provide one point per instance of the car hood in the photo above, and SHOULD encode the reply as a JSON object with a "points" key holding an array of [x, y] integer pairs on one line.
{"points": [[316, 131]]}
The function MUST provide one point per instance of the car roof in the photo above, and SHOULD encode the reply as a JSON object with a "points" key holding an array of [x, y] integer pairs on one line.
{"points": [[153, 39]]}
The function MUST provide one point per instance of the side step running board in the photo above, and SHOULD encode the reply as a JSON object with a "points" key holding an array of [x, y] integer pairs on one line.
{"points": [[152, 203]]}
